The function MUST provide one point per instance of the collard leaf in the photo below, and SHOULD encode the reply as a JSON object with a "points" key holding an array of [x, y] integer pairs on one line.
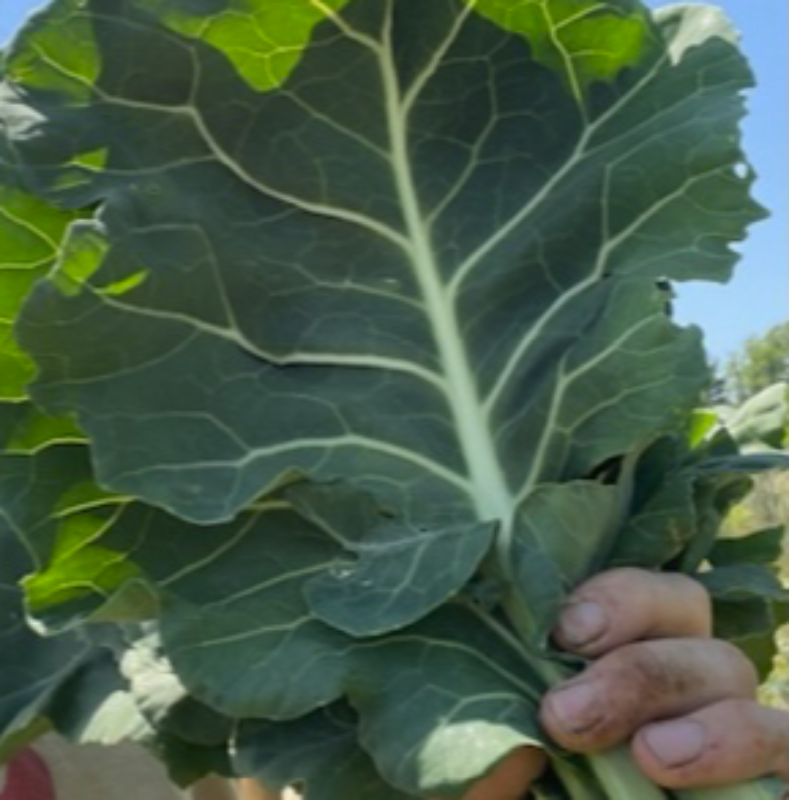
{"points": [[233, 617], [234, 622], [31, 233], [456, 701], [98, 705], [744, 464], [410, 247], [391, 573], [743, 582], [374, 299], [750, 604], [761, 423], [32, 669], [662, 528], [761, 547], [320, 752], [236, 627], [721, 481], [49, 499], [561, 533], [95, 706], [187, 762], [42, 486], [164, 701]]}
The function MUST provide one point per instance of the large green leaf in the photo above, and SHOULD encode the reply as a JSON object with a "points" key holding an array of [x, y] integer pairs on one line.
{"points": [[95, 705], [32, 669], [100, 705], [391, 573], [162, 698], [229, 596], [750, 604], [49, 499], [234, 620], [663, 516], [760, 547], [343, 251], [763, 421], [319, 751], [457, 700], [407, 250], [562, 532], [50, 508], [30, 233]]}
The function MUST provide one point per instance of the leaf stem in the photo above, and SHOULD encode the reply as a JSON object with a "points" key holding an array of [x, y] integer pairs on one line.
{"points": [[621, 778], [766, 789], [491, 495]]}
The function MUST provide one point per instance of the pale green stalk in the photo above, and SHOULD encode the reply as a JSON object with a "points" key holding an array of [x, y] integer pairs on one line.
{"points": [[767, 789], [615, 772]]}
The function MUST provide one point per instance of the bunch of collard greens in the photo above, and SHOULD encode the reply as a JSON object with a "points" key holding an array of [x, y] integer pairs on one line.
{"points": [[335, 350]]}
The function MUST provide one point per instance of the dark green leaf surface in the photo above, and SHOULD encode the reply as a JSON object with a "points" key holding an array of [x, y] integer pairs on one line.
{"points": [[49, 500], [762, 422], [32, 668], [750, 604], [98, 705], [30, 232], [164, 701], [95, 706], [235, 623], [357, 304], [761, 547], [662, 515], [319, 751], [560, 534], [371, 298], [457, 698], [390, 572]]}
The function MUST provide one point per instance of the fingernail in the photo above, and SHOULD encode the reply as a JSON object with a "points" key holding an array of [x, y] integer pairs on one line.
{"points": [[575, 707], [581, 623], [676, 743]]}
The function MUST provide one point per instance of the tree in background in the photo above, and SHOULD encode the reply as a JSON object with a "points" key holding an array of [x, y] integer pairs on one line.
{"points": [[761, 362]]}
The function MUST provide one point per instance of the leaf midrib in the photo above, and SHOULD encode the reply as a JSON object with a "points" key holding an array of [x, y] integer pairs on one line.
{"points": [[491, 494]]}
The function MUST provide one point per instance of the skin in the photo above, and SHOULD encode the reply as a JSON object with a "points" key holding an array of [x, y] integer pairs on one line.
{"points": [[250, 789], [685, 701]]}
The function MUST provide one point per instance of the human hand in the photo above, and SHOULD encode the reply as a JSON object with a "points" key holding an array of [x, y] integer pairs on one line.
{"points": [[684, 700]]}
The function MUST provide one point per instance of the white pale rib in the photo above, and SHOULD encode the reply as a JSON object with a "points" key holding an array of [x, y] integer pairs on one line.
{"points": [[296, 576], [226, 545], [488, 487], [563, 383], [25, 266], [607, 249], [581, 151], [318, 209], [235, 336], [486, 659], [376, 445], [429, 70], [35, 232], [251, 633], [322, 444], [347, 30]]}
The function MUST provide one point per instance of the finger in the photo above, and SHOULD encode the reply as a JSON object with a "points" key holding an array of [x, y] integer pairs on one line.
{"points": [[727, 742], [640, 683], [626, 605], [512, 778]]}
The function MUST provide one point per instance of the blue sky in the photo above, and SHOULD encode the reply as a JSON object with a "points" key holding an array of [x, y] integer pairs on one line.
{"points": [[757, 298]]}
